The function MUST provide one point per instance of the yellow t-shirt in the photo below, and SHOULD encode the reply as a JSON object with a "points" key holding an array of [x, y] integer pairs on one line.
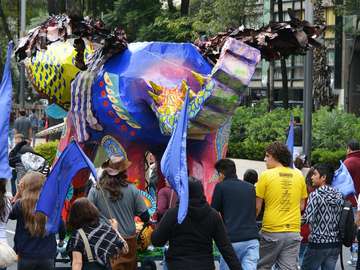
{"points": [[281, 188]]}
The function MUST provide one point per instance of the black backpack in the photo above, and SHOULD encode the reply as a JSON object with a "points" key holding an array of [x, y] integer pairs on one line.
{"points": [[347, 227]]}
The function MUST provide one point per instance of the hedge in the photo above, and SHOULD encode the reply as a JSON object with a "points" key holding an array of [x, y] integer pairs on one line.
{"points": [[47, 150], [253, 128]]}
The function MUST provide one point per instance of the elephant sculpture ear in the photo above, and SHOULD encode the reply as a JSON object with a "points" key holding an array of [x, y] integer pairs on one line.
{"points": [[167, 103]]}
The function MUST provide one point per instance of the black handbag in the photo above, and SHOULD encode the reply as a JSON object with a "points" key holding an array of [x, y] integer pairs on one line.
{"points": [[91, 264]]}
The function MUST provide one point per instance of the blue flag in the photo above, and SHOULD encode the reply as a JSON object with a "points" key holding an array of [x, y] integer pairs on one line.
{"points": [[174, 162], [5, 105], [290, 138], [53, 193], [343, 181]]}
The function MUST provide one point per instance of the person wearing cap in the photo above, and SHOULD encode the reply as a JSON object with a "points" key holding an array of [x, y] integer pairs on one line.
{"points": [[118, 199], [191, 242]]}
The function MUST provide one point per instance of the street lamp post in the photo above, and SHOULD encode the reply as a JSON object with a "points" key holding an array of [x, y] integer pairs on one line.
{"points": [[308, 87], [22, 67]]}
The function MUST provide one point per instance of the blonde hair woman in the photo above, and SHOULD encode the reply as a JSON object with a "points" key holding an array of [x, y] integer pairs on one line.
{"points": [[35, 247]]}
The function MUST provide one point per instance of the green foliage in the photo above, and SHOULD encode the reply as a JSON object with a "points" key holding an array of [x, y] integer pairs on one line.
{"points": [[168, 27], [148, 22], [47, 150], [132, 15], [213, 16], [321, 155], [253, 128], [333, 129]]}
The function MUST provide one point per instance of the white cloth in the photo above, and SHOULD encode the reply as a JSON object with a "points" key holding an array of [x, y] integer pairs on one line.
{"points": [[7, 210]]}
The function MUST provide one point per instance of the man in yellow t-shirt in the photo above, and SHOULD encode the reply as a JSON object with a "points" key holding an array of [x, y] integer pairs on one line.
{"points": [[283, 190]]}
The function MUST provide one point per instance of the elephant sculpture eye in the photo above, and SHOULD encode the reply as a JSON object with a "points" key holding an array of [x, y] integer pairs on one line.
{"points": [[112, 99], [109, 91]]}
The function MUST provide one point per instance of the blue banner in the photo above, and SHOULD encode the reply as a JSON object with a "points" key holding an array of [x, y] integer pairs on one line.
{"points": [[53, 194], [174, 162], [5, 105], [343, 181], [290, 138]]}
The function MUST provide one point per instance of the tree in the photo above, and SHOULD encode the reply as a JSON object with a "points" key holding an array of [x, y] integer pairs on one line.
{"points": [[5, 24], [323, 95], [171, 7], [184, 9], [218, 15], [133, 15]]}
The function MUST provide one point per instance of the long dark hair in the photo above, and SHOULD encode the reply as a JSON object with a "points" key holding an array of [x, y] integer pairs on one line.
{"points": [[3, 210], [83, 213], [113, 184]]}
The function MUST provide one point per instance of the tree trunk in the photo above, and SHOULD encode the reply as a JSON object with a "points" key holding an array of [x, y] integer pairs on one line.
{"points": [[56, 6], [284, 93], [171, 6], [52, 7], [185, 7], [5, 24], [94, 9], [75, 7], [323, 95]]}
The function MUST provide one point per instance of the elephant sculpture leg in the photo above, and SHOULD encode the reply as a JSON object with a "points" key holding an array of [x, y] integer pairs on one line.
{"points": [[202, 157], [80, 181], [136, 172]]}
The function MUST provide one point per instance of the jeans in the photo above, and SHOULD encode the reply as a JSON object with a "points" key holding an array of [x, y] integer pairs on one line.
{"points": [[326, 258], [13, 182], [358, 261], [30, 264], [247, 252], [303, 247]]}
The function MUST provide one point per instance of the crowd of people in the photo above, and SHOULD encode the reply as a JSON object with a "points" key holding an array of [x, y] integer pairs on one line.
{"points": [[27, 126], [285, 218]]}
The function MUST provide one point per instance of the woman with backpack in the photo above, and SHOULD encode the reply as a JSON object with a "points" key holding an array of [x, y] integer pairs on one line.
{"points": [[93, 244], [35, 247]]}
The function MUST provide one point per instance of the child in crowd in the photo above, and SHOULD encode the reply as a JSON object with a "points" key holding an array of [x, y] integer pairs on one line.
{"points": [[35, 247]]}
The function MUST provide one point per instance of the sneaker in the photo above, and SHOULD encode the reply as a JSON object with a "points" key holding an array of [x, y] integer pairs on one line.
{"points": [[351, 263]]}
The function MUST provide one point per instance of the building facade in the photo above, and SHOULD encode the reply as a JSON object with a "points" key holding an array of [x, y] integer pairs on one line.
{"points": [[295, 64]]}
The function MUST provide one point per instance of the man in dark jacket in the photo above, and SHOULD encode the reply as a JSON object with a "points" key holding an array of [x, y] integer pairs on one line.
{"points": [[22, 126], [191, 242], [352, 163], [236, 201], [21, 147]]}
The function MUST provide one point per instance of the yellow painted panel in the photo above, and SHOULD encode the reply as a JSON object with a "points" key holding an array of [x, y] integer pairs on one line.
{"points": [[329, 33], [330, 16], [51, 71]]}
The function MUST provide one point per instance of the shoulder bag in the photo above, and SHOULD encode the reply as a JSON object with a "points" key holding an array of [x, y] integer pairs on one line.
{"points": [[91, 264]]}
